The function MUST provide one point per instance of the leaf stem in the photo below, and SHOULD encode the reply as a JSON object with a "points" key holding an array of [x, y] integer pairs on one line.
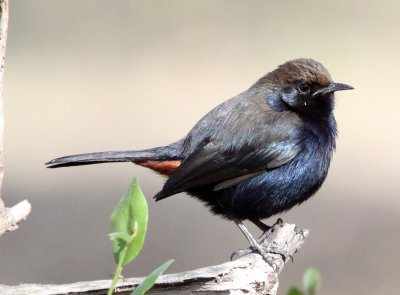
{"points": [[118, 271]]}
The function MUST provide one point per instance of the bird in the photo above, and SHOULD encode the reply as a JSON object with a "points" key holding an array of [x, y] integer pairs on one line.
{"points": [[254, 156]]}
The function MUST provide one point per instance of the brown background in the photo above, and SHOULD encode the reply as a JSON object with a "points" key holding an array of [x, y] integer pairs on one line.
{"points": [[107, 75]]}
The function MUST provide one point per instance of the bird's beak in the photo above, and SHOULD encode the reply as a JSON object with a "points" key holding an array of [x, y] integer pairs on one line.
{"points": [[332, 88]]}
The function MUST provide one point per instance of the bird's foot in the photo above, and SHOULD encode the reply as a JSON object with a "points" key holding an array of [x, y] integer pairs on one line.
{"points": [[274, 250], [263, 245], [256, 249], [269, 230], [263, 250]]}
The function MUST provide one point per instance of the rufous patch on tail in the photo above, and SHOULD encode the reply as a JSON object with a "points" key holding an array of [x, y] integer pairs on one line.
{"points": [[162, 167]]}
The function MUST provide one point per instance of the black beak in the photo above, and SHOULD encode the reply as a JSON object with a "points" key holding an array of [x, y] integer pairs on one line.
{"points": [[332, 88]]}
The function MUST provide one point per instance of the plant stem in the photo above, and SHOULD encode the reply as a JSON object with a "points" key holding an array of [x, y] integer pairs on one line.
{"points": [[118, 271]]}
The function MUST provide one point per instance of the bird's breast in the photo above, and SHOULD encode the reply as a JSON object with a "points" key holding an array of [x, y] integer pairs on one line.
{"points": [[282, 188]]}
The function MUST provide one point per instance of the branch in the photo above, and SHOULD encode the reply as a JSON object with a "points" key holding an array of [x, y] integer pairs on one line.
{"points": [[9, 217], [247, 275]]}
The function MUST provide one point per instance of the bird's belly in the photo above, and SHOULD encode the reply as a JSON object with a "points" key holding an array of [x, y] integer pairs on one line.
{"points": [[270, 193]]}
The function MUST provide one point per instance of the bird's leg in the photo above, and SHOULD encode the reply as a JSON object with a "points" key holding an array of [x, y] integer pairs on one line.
{"points": [[254, 245], [261, 225], [267, 231]]}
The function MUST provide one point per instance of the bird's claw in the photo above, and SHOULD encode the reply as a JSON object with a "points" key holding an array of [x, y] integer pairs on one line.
{"points": [[268, 259], [242, 252], [274, 250], [279, 222], [263, 251]]}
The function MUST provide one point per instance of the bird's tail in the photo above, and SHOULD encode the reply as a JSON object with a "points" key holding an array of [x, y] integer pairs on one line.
{"points": [[165, 153]]}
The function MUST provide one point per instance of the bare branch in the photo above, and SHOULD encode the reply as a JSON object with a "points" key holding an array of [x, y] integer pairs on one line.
{"points": [[247, 275], [9, 217]]}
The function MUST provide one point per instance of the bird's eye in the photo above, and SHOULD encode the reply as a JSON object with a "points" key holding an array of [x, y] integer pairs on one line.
{"points": [[304, 88]]}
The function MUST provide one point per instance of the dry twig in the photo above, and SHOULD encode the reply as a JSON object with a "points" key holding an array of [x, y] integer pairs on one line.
{"points": [[248, 275]]}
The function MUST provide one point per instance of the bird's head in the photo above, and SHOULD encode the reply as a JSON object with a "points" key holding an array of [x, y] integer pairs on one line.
{"points": [[302, 85]]}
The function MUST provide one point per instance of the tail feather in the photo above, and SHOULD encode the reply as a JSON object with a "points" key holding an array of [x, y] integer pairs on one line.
{"points": [[97, 158], [170, 152]]}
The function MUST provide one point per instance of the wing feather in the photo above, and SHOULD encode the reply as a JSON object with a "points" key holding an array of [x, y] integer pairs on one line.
{"points": [[236, 141], [212, 166]]}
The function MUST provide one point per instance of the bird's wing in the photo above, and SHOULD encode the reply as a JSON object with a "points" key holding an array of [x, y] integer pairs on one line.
{"points": [[212, 165], [235, 142]]}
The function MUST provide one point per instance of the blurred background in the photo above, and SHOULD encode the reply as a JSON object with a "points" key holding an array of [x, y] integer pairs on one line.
{"points": [[96, 75]]}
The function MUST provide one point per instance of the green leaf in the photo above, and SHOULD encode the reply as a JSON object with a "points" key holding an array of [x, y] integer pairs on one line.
{"points": [[311, 281], [129, 225], [294, 291], [148, 283], [119, 235]]}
